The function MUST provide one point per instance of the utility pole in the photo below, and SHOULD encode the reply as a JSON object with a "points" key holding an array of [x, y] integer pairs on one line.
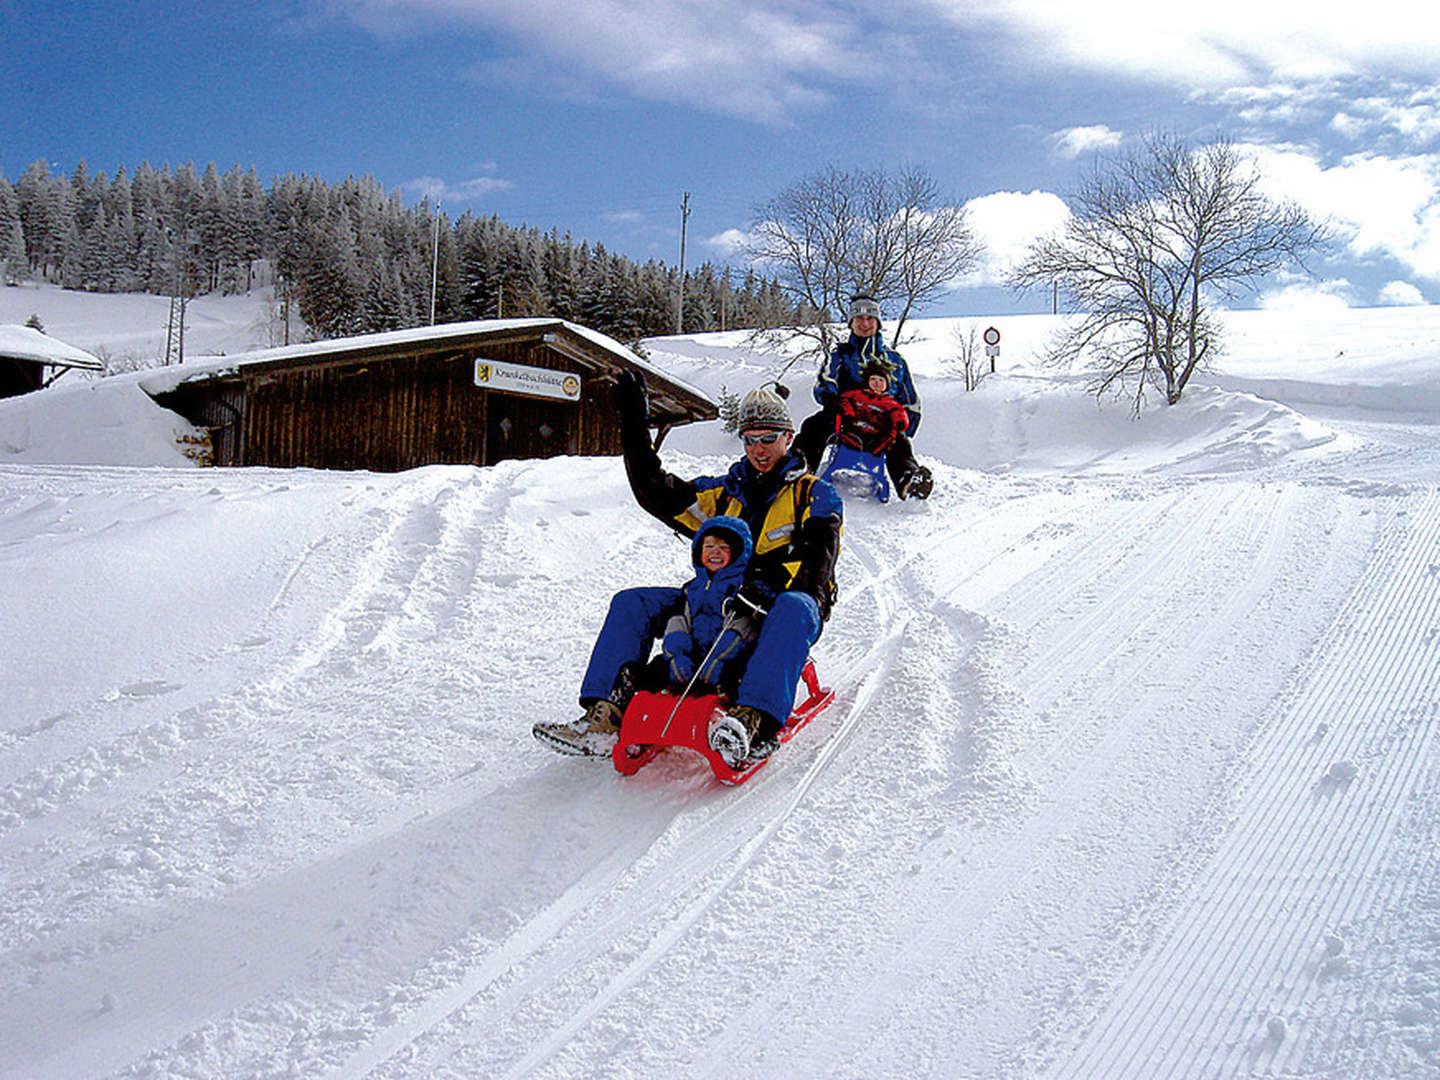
{"points": [[680, 299], [724, 296], [435, 262]]}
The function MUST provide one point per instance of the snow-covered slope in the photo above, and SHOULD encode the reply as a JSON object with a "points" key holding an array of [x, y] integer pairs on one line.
{"points": [[130, 329], [1131, 772]]}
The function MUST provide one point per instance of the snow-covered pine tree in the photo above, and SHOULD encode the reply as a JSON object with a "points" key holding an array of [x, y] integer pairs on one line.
{"points": [[13, 266]]}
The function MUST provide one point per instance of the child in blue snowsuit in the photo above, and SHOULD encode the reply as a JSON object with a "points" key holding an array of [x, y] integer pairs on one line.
{"points": [[701, 641]]}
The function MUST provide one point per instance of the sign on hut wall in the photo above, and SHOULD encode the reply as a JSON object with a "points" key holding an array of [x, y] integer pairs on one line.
{"points": [[531, 381]]}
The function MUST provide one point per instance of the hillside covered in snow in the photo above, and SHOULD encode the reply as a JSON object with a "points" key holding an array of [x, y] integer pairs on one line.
{"points": [[1132, 770]]}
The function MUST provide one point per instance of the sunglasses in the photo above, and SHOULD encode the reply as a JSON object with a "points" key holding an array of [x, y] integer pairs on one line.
{"points": [[768, 438]]}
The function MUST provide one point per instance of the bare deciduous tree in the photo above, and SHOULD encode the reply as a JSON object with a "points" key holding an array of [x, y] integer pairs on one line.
{"points": [[966, 359], [839, 232], [1155, 239]]}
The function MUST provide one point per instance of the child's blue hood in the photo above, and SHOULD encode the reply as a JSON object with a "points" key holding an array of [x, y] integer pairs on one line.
{"points": [[730, 529]]}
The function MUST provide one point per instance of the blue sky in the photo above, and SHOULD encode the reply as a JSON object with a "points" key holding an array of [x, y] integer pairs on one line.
{"points": [[594, 116]]}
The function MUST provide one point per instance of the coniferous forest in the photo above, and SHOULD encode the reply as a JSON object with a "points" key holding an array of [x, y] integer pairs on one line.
{"points": [[351, 257]]}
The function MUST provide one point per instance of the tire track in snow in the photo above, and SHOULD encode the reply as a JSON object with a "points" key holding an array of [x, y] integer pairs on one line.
{"points": [[1310, 846]]}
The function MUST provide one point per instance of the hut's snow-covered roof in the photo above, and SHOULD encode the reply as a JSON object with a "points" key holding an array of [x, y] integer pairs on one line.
{"points": [[27, 343], [163, 380]]}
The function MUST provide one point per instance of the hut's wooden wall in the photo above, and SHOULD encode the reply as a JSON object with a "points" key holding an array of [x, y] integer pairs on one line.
{"points": [[394, 413], [19, 376]]}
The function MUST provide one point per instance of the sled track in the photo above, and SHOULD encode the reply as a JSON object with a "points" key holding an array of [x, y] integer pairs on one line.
{"points": [[554, 977], [1258, 961], [588, 922], [998, 884], [314, 691], [697, 861], [1093, 612], [647, 909]]}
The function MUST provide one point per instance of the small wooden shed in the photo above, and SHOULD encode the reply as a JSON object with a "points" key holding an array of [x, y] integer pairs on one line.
{"points": [[462, 393], [31, 360]]}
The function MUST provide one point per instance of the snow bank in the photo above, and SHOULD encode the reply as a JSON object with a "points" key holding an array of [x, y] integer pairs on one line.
{"points": [[104, 422]]}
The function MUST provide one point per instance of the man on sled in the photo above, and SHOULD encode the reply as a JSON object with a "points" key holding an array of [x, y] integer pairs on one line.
{"points": [[794, 519]]}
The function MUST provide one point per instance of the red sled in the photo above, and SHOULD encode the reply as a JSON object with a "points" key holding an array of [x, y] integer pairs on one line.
{"points": [[654, 721]]}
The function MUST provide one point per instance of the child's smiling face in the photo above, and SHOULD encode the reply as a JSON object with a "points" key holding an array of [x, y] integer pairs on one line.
{"points": [[878, 384], [714, 553]]}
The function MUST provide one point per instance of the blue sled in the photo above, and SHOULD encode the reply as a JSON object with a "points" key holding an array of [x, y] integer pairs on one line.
{"points": [[857, 466]]}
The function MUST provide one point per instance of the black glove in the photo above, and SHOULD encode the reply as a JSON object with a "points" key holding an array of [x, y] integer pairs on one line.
{"points": [[752, 599], [630, 398]]}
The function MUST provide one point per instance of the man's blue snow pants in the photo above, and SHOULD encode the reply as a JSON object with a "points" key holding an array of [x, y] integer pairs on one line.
{"points": [[637, 618]]}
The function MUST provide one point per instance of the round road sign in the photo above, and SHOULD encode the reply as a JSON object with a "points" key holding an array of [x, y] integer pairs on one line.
{"points": [[992, 336]]}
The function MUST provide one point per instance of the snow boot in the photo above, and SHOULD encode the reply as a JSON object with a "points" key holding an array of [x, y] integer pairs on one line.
{"points": [[916, 483], [593, 735], [743, 735]]}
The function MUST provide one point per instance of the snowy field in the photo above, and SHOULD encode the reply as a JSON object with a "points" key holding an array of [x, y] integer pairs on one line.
{"points": [[1132, 770]]}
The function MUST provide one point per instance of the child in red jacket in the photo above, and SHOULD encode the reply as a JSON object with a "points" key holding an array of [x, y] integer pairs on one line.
{"points": [[869, 418]]}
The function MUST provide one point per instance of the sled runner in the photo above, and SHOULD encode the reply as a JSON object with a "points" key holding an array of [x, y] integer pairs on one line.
{"points": [[856, 470], [653, 721]]}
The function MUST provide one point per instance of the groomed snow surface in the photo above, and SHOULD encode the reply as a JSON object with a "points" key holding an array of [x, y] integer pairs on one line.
{"points": [[1131, 770]]}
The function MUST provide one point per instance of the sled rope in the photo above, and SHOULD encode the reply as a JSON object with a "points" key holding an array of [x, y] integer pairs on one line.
{"points": [[729, 622]]}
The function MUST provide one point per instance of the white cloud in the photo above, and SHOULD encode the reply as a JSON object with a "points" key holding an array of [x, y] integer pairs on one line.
{"points": [[730, 244], [776, 60], [1008, 222], [1380, 205], [1072, 142], [1411, 115], [1401, 294], [1222, 43], [1366, 110], [1309, 295], [1348, 125], [766, 61], [442, 191]]}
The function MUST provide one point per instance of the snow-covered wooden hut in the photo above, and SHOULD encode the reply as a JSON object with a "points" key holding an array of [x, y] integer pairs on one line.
{"points": [[30, 360], [469, 393]]}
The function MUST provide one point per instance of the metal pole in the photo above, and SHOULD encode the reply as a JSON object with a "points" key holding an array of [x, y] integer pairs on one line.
{"points": [[680, 300], [184, 288], [435, 263]]}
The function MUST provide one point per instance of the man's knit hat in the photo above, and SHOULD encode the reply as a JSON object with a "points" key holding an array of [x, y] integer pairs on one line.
{"points": [[863, 304], [762, 409]]}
